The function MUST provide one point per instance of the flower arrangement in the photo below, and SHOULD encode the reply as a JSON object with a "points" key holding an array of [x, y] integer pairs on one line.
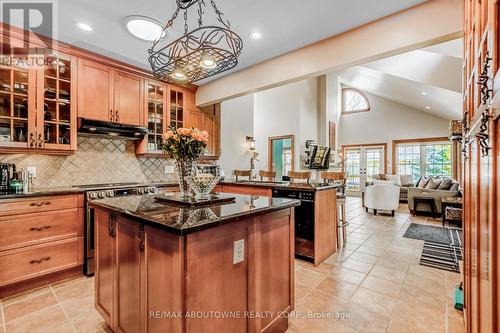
{"points": [[185, 143]]}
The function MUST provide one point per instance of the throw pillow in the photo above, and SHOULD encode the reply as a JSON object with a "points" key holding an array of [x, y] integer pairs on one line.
{"points": [[433, 183], [422, 182], [394, 178], [446, 184], [407, 180]]}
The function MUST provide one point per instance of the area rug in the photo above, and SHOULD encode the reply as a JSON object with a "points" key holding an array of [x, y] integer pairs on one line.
{"points": [[430, 233], [442, 246]]}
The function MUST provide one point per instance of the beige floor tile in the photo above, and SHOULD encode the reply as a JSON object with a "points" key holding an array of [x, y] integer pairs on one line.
{"points": [[301, 291], [376, 251], [309, 278], [27, 306], [365, 320], [379, 303], [80, 287], [354, 240], [324, 267], [388, 273], [355, 265], [49, 320], [348, 275], [368, 258], [383, 286], [410, 313], [83, 315], [25, 295], [337, 288]]}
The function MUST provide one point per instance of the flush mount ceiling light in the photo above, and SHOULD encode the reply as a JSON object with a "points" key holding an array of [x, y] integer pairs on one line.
{"points": [[255, 35], [423, 93], [144, 28], [83, 26], [428, 107], [207, 50]]}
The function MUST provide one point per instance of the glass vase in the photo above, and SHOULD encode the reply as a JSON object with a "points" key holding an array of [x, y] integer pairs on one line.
{"points": [[184, 168]]}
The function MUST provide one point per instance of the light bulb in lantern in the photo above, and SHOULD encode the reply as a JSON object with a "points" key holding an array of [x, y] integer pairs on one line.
{"points": [[207, 61], [179, 74]]}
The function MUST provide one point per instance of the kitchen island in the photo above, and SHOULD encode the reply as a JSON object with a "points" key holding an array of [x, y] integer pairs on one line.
{"points": [[218, 268]]}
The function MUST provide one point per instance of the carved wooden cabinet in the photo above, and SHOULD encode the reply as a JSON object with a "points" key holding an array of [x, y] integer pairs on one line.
{"points": [[481, 153]]}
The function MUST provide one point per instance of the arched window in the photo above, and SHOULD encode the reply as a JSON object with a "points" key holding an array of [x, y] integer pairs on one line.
{"points": [[354, 101]]}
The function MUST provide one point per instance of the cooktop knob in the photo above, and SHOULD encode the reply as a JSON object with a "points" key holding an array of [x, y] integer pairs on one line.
{"points": [[92, 195], [140, 191], [152, 190], [101, 194], [110, 194]]}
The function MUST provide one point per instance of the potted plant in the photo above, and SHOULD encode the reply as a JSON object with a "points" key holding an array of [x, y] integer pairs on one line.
{"points": [[184, 145]]}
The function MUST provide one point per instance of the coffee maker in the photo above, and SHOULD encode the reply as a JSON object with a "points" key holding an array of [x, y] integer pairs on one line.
{"points": [[7, 173]]}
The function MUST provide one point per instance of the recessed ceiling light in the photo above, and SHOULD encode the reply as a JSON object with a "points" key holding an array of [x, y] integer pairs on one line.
{"points": [[83, 26], [423, 93], [255, 35], [144, 28], [428, 107]]}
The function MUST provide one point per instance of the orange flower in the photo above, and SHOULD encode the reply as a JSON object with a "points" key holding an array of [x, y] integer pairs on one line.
{"points": [[168, 135], [184, 131]]}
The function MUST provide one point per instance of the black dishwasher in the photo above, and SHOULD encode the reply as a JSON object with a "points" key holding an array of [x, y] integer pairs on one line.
{"points": [[304, 221]]}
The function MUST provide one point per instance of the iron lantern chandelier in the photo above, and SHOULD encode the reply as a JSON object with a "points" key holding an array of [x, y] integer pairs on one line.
{"points": [[199, 53]]}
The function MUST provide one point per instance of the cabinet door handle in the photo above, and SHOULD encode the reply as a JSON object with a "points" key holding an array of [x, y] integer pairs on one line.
{"points": [[32, 140], [117, 117], [112, 226], [33, 204], [40, 228], [40, 141], [141, 237], [39, 261], [111, 115]]}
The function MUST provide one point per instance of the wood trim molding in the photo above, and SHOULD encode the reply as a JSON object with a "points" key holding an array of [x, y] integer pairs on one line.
{"points": [[270, 150], [419, 140], [343, 147], [342, 101]]}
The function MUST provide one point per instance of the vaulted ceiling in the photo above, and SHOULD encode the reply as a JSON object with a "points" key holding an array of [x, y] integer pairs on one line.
{"points": [[428, 79], [285, 24]]}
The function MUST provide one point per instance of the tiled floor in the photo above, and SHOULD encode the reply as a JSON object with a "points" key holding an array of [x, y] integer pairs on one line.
{"points": [[376, 283]]}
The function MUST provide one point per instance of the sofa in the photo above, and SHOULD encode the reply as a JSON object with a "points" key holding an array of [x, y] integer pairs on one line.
{"points": [[404, 182], [432, 187]]}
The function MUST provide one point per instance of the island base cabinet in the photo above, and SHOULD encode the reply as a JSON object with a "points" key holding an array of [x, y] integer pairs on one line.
{"points": [[150, 280]]}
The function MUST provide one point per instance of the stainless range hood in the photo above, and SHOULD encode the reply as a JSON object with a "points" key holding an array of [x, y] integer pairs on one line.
{"points": [[105, 129]]}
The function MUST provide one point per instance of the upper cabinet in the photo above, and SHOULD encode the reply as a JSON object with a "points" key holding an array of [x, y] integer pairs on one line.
{"points": [[157, 117], [207, 119], [177, 108], [109, 95], [37, 104], [56, 125]]}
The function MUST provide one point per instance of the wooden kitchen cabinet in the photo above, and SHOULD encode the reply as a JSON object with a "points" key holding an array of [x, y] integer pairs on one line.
{"points": [[41, 241], [107, 94], [207, 119], [38, 103]]}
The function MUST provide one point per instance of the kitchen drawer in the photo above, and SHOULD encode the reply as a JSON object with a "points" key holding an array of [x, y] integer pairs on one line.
{"points": [[28, 229], [21, 264], [39, 204]]}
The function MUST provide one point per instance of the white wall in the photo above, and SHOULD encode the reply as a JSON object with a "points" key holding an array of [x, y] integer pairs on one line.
{"points": [[285, 110], [237, 121], [387, 121]]}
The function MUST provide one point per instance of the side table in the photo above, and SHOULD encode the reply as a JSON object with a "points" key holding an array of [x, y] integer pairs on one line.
{"points": [[454, 202], [424, 200]]}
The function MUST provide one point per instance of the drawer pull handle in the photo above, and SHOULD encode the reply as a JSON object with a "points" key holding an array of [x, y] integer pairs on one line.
{"points": [[39, 261], [40, 228], [40, 204]]}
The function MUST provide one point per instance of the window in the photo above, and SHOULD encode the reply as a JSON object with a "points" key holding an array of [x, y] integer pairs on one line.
{"points": [[424, 159], [354, 101]]}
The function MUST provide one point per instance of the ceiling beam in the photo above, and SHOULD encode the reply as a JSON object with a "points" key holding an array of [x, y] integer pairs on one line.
{"points": [[432, 22]]}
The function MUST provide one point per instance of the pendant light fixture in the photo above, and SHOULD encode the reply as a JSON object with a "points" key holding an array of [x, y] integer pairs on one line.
{"points": [[200, 53]]}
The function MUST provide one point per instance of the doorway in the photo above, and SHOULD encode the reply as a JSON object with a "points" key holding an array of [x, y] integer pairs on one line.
{"points": [[281, 155], [362, 162]]}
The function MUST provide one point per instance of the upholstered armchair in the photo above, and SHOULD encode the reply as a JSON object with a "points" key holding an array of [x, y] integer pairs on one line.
{"points": [[382, 197]]}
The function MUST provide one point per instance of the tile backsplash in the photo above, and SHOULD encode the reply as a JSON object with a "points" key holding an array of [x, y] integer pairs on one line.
{"points": [[95, 161]]}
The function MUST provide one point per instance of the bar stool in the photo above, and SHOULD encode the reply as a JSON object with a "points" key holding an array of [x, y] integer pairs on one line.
{"points": [[243, 173], [299, 175], [341, 179], [270, 175]]}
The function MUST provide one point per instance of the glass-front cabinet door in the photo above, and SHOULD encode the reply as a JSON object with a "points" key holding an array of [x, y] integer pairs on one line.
{"points": [[17, 103], [157, 122], [56, 105], [176, 108]]}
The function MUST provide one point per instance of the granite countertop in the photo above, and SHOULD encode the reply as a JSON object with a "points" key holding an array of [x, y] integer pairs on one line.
{"points": [[44, 191], [181, 221], [282, 185]]}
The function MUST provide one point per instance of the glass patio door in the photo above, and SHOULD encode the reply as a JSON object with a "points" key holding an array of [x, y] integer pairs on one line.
{"points": [[361, 164]]}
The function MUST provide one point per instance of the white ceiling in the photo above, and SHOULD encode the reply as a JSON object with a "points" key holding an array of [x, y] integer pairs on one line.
{"points": [[285, 24], [435, 71]]}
